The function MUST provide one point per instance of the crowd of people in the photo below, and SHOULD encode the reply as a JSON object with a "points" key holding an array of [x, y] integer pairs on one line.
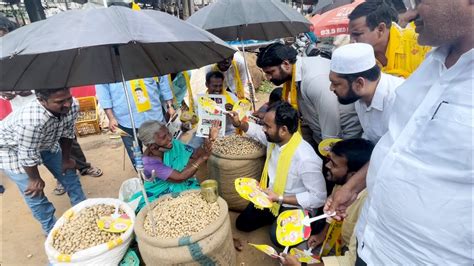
{"points": [[399, 98]]}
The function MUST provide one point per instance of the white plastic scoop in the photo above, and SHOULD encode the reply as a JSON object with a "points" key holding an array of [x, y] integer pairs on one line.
{"points": [[307, 221]]}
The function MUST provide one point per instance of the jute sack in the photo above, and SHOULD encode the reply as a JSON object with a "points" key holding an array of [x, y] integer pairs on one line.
{"points": [[110, 253], [211, 246], [226, 168]]}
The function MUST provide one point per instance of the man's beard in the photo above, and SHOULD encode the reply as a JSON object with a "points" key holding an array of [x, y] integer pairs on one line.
{"points": [[277, 82], [351, 97], [283, 78], [273, 139], [337, 181]]}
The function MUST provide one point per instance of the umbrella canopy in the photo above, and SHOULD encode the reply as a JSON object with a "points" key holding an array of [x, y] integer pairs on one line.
{"points": [[250, 19], [327, 5], [83, 47], [334, 22]]}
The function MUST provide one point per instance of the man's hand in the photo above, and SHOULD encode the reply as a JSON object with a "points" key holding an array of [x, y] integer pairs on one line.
{"points": [[339, 202], [234, 117], [113, 124], [289, 260], [170, 111], [35, 187], [316, 240], [68, 164], [272, 196]]}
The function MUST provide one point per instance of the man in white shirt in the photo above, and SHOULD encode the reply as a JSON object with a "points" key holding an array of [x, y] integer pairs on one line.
{"points": [[232, 68], [420, 177], [309, 76], [356, 78], [305, 186]]}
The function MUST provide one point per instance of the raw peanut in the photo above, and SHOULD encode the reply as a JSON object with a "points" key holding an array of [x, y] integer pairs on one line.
{"points": [[182, 216], [236, 145], [81, 230]]}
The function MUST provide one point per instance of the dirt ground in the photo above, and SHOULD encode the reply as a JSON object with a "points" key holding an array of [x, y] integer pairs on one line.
{"points": [[22, 240]]}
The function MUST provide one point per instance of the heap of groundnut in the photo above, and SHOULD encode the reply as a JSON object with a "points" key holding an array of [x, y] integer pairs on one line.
{"points": [[184, 215], [81, 230], [236, 145]]}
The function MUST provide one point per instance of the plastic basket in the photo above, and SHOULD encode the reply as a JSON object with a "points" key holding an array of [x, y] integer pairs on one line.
{"points": [[88, 119]]}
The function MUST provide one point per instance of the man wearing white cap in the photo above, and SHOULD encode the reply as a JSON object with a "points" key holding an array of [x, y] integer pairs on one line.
{"points": [[356, 77]]}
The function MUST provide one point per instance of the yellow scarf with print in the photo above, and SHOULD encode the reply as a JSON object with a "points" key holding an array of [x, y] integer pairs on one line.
{"points": [[289, 89], [239, 86], [140, 95], [282, 170]]}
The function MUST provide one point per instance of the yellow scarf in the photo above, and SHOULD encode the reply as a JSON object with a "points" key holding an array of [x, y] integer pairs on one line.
{"points": [[289, 89], [333, 239], [239, 86], [141, 99], [403, 53], [282, 170]]}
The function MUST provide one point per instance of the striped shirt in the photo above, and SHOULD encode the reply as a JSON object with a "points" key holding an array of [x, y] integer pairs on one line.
{"points": [[30, 130]]}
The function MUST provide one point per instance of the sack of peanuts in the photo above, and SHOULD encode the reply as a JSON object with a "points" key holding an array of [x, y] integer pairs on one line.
{"points": [[185, 230], [233, 157], [76, 238]]}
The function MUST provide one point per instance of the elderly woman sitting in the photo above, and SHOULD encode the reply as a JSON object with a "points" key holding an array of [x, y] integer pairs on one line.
{"points": [[169, 164]]}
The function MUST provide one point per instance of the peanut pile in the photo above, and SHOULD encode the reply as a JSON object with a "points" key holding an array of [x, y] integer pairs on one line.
{"points": [[236, 145], [86, 115], [185, 215], [81, 231]]}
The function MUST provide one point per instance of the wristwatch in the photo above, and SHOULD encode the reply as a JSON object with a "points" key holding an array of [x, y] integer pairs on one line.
{"points": [[280, 199]]}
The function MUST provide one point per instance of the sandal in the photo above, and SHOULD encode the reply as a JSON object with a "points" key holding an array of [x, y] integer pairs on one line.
{"points": [[92, 171], [59, 190]]}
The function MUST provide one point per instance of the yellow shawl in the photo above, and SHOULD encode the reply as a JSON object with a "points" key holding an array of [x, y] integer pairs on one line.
{"points": [[282, 170]]}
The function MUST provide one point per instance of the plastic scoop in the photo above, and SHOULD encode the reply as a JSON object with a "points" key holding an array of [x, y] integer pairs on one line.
{"points": [[307, 221], [116, 214]]}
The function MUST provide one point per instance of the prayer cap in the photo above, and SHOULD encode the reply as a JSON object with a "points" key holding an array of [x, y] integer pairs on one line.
{"points": [[353, 58]]}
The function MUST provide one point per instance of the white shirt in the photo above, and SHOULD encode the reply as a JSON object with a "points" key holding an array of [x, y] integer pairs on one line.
{"points": [[420, 179], [319, 105], [20, 101], [229, 75], [374, 118], [305, 178]]}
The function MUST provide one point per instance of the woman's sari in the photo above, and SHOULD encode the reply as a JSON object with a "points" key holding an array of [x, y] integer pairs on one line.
{"points": [[176, 158]]}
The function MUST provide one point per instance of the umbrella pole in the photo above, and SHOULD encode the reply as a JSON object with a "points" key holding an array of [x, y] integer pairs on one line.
{"points": [[137, 154], [249, 81]]}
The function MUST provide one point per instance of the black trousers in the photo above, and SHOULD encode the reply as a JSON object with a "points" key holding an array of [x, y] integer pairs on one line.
{"points": [[359, 261], [252, 219]]}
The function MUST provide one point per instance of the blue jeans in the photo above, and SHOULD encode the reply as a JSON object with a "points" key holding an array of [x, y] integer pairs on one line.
{"points": [[128, 143], [42, 209]]}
